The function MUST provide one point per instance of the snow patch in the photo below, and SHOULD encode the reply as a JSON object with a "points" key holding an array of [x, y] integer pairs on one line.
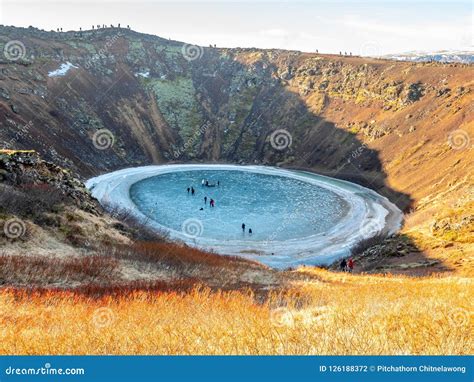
{"points": [[143, 74], [63, 69]]}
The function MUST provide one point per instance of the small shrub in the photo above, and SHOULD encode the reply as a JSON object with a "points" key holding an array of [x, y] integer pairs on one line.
{"points": [[138, 229], [33, 271], [30, 202], [366, 244]]}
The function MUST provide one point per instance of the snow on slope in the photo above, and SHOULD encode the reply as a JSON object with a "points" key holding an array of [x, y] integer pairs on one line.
{"points": [[63, 69]]}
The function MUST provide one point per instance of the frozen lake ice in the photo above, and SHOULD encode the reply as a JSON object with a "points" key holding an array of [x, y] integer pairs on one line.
{"points": [[274, 207], [297, 217]]}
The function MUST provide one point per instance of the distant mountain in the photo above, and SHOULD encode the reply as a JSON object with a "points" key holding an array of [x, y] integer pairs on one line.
{"points": [[464, 57]]}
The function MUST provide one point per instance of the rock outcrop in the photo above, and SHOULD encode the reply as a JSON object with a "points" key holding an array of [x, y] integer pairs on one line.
{"points": [[26, 171]]}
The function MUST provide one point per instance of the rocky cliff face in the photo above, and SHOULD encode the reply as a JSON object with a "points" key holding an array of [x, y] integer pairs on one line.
{"points": [[27, 172], [95, 101]]}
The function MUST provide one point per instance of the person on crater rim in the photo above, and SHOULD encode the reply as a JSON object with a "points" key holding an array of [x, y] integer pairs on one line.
{"points": [[343, 265], [350, 265]]}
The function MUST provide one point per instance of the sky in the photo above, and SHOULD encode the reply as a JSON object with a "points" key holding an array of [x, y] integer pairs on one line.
{"points": [[362, 27]]}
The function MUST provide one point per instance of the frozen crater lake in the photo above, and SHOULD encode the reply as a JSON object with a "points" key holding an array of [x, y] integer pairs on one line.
{"points": [[296, 217]]}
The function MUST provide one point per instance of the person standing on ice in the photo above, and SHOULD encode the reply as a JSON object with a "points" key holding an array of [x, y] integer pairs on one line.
{"points": [[203, 182], [250, 231], [192, 191], [211, 203], [188, 189], [243, 227], [205, 200]]}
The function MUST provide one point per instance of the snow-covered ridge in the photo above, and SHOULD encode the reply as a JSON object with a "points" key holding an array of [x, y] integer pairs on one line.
{"points": [[369, 214], [63, 69], [464, 57]]}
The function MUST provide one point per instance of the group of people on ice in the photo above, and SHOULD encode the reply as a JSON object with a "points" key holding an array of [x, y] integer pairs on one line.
{"points": [[206, 183], [192, 191], [212, 203], [243, 229]]}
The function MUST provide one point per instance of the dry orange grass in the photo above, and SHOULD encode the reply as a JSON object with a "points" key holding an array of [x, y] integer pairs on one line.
{"points": [[334, 314], [32, 271]]}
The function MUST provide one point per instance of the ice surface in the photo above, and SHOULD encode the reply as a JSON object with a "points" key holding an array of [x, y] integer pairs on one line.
{"points": [[274, 207], [297, 217]]}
